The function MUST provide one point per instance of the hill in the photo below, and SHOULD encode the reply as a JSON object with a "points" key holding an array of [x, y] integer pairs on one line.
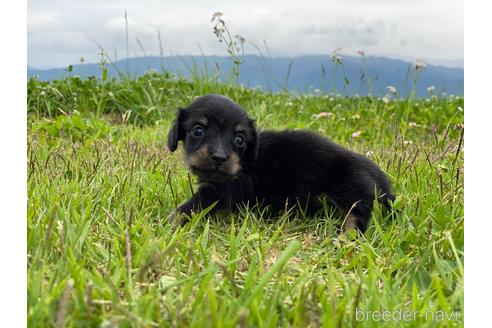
{"points": [[356, 75]]}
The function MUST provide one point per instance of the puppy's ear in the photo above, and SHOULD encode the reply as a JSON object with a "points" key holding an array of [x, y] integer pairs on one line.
{"points": [[177, 131], [253, 143]]}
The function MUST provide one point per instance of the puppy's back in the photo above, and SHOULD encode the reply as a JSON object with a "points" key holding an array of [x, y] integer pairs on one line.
{"points": [[303, 148], [303, 159]]}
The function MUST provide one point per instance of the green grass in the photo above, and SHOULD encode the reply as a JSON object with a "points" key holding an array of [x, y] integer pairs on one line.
{"points": [[101, 184]]}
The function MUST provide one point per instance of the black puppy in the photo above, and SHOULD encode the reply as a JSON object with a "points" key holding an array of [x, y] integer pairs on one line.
{"points": [[235, 164]]}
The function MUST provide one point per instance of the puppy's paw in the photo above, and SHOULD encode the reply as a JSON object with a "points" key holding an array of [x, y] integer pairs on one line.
{"points": [[177, 218]]}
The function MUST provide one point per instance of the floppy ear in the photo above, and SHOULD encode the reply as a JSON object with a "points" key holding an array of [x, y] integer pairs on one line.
{"points": [[253, 143], [176, 132]]}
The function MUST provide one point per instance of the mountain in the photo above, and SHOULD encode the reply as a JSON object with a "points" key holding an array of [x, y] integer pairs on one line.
{"points": [[297, 74]]}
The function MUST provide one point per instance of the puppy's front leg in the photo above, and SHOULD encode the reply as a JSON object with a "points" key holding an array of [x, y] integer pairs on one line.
{"points": [[203, 198]]}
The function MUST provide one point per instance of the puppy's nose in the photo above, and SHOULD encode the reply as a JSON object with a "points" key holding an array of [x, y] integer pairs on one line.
{"points": [[218, 158], [218, 155]]}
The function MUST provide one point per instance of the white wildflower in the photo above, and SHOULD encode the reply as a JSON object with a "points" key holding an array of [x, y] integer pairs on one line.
{"points": [[336, 57], [391, 89], [356, 134], [419, 64], [323, 114], [217, 15]]}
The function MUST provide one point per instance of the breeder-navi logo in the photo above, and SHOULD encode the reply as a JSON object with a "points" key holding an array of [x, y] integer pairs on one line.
{"points": [[406, 315]]}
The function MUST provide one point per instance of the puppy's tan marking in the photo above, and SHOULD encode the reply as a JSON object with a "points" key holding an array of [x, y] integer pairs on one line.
{"points": [[350, 223], [240, 128], [197, 158], [177, 217], [233, 165], [203, 120]]}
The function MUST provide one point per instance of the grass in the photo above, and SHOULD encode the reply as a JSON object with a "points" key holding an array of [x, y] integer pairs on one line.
{"points": [[101, 184]]}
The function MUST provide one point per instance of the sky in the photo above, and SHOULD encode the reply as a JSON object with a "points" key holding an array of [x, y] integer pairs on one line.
{"points": [[60, 32]]}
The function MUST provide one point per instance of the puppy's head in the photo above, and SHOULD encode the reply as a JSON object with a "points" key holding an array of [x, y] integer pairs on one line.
{"points": [[218, 137]]}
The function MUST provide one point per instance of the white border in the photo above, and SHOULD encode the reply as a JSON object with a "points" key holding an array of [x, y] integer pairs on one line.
{"points": [[13, 175], [478, 129], [13, 195]]}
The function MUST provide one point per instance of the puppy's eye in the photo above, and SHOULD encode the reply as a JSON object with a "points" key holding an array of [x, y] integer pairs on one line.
{"points": [[198, 131], [238, 140]]}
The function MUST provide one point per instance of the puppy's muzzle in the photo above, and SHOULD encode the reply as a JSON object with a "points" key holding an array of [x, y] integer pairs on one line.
{"points": [[213, 164], [218, 157]]}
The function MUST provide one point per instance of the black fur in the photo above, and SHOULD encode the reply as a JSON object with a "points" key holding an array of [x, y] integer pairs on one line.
{"points": [[270, 167]]}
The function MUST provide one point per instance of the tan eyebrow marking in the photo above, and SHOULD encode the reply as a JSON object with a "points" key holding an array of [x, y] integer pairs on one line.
{"points": [[203, 120], [239, 128]]}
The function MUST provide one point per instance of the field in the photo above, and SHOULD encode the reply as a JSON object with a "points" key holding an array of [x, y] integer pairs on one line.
{"points": [[101, 184]]}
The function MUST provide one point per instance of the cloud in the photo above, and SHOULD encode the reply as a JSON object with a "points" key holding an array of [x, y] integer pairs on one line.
{"points": [[42, 19], [350, 32], [116, 25], [60, 32]]}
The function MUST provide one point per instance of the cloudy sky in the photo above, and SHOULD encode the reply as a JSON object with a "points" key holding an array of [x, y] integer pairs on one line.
{"points": [[62, 31]]}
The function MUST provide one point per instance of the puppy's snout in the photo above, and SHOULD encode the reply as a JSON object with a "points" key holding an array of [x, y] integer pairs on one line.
{"points": [[218, 157]]}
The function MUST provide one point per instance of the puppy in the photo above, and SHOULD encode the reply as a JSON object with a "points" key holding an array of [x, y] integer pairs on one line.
{"points": [[236, 165]]}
